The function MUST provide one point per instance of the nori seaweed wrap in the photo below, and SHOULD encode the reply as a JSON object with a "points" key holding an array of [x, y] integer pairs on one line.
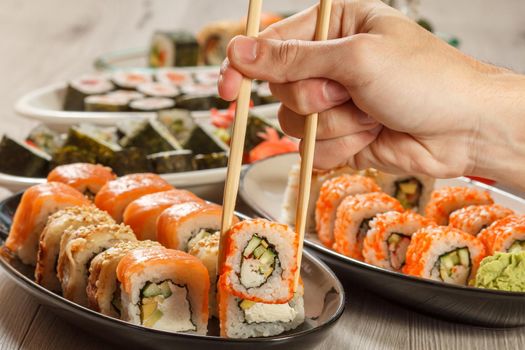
{"points": [[128, 161], [200, 142], [152, 137], [87, 141], [78, 89], [171, 161], [106, 103], [22, 160], [177, 48], [200, 102], [179, 122], [255, 126], [210, 161], [72, 154]]}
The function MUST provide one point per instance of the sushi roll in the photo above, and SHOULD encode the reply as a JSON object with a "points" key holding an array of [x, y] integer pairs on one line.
{"points": [[142, 214], [206, 250], [207, 77], [242, 318], [183, 223], [174, 77], [130, 160], [130, 79], [164, 289], [201, 102], [505, 235], [84, 177], [45, 139], [37, 204], [115, 196], [77, 248], [412, 191], [260, 261], [106, 103], [210, 161], [214, 38], [103, 289], [386, 242], [173, 49], [29, 161], [158, 89], [128, 95], [332, 193], [48, 250], [353, 220], [171, 161], [151, 104], [474, 218], [151, 136], [78, 89], [444, 254], [445, 200]]}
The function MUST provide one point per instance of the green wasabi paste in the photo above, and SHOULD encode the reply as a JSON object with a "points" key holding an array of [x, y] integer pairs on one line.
{"points": [[502, 271]]}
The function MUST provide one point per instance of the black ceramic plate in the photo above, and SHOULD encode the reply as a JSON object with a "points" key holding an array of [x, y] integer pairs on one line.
{"points": [[262, 188], [324, 303]]}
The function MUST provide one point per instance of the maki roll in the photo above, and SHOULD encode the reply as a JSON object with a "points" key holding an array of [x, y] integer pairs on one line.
{"points": [[37, 204], [182, 223], [84, 177], [214, 38], [444, 254], [164, 289], [142, 214], [207, 77], [242, 318], [173, 49], [260, 261], [77, 248], [332, 193], [200, 102], [152, 137], [88, 142], [386, 242], [45, 139], [131, 79], [66, 219], [353, 220], [474, 218], [22, 160], [128, 95], [103, 289], [78, 89], [115, 196], [179, 122], [210, 161], [200, 142], [172, 76], [106, 103], [412, 191], [505, 235], [158, 90], [171, 161], [445, 200], [151, 104], [130, 160]]}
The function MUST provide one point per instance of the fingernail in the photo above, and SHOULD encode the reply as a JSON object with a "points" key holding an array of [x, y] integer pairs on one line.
{"points": [[365, 119], [335, 92], [245, 49]]}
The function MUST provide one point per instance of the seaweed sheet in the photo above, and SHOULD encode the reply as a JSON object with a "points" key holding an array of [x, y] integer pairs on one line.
{"points": [[22, 160], [152, 137]]}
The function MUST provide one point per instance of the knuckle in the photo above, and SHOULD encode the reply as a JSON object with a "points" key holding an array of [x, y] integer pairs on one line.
{"points": [[287, 52], [328, 126]]}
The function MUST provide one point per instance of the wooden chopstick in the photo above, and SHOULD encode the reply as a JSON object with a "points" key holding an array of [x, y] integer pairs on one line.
{"points": [[307, 154], [233, 174]]}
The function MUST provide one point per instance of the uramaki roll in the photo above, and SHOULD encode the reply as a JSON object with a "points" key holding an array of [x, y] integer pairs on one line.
{"points": [[444, 254], [37, 204], [474, 218], [79, 247], [353, 217], [84, 177], [260, 261], [505, 235], [164, 289], [386, 242], [103, 289], [445, 200], [66, 219], [332, 193], [115, 196], [142, 214]]}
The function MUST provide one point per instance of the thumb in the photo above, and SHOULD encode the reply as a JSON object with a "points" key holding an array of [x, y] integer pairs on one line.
{"points": [[285, 61]]}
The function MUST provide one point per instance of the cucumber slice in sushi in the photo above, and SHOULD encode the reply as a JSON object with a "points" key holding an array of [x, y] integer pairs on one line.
{"points": [[454, 266]]}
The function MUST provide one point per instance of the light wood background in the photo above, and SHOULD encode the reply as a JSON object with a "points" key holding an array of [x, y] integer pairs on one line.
{"points": [[46, 41]]}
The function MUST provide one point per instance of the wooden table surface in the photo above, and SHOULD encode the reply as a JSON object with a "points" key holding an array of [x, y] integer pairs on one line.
{"points": [[47, 41]]}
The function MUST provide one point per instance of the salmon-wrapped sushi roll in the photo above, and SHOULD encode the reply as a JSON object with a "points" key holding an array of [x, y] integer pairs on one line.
{"points": [[474, 218], [37, 204], [260, 261], [353, 217], [412, 191], [444, 254], [66, 219], [142, 214], [445, 200], [84, 177], [386, 242], [79, 247], [332, 193], [103, 289], [115, 196], [242, 318], [164, 289], [505, 235], [181, 223]]}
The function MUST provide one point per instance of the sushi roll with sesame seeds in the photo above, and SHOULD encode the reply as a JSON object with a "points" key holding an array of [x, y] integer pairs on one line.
{"points": [[386, 242], [353, 220], [444, 254], [445, 200], [474, 218], [505, 235]]}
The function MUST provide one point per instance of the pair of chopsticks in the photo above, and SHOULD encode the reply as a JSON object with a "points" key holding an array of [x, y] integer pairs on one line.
{"points": [[239, 134]]}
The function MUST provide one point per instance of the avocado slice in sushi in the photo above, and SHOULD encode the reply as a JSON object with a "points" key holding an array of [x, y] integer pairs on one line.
{"points": [[454, 266], [171, 161], [22, 160], [152, 137], [408, 192]]}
